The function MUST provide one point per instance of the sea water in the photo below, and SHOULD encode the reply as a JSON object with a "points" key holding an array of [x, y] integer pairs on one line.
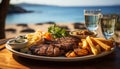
{"points": [[56, 14]]}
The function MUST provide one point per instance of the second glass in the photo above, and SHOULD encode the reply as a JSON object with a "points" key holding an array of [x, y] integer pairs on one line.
{"points": [[107, 23]]}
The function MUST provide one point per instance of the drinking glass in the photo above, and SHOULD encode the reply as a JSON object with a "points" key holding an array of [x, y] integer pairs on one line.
{"points": [[91, 19], [107, 24]]}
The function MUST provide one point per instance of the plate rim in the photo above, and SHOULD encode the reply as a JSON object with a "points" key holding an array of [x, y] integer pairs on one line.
{"points": [[62, 59]]}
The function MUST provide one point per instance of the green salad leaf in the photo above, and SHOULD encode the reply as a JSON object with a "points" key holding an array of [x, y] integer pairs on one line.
{"points": [[57, 32]]}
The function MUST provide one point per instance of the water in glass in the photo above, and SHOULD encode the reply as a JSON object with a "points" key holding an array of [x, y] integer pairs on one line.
{"points": [[108, 25], [91, 19]]}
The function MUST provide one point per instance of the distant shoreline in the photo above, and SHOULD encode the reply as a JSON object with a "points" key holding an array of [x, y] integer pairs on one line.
{"points": [[17, 9], [44, 22]]}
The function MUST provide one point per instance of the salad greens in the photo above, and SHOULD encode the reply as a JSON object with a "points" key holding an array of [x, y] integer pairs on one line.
{"points": [[57, 32]]}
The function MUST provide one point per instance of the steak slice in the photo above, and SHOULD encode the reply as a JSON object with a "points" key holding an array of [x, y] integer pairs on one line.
{"points": [[43, 50], [57, 51], [50, 51]]}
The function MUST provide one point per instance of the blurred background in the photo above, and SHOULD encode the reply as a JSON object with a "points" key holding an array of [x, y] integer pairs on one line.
{"points": [[35, 11], [26, 16]]}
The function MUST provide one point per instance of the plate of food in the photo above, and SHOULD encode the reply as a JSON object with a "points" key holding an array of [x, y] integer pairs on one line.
{"points": [[58, 45]]}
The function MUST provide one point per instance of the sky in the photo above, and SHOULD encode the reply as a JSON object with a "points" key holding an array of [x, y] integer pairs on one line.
{"points": [[70, 2]]}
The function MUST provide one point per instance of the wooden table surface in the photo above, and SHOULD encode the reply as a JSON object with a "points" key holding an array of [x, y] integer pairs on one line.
{"points": [[12, 61]]}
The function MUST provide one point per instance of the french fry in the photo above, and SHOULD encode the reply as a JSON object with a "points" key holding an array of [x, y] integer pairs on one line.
{"points": [[104, 40], [99, 48], [80, 44], [94, 42], [81, 52], [85, 45], [71, 54], [82, 39], [93, 48], [103, 45], [100, 38], [108, 42]]}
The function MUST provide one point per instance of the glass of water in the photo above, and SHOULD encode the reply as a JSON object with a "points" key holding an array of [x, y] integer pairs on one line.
{"points": [[91, 19], [107, 24]]}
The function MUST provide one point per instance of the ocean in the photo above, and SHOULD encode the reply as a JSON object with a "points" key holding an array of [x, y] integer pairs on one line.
{"points": [[56, 14]]}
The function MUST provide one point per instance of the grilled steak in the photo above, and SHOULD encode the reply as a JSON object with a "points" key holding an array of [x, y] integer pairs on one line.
{"points": [[56, 47], [66, 43]]}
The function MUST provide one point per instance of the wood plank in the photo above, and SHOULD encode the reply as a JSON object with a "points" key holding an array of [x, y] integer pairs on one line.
{"points": [[7, 61]]}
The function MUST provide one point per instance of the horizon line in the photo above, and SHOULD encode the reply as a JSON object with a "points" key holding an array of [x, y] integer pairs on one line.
{"points": [[64, 5]]}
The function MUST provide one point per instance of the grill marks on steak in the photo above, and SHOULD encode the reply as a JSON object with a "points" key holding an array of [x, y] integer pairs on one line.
{"points": [[39, 50], [50, 50], [45, 50], [42, 50], [56, 47], [67, 43]]}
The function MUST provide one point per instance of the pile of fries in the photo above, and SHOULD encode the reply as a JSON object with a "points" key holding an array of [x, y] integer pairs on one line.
{"points": [[91, 45]]}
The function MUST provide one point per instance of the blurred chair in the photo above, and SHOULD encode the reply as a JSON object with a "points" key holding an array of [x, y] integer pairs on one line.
{"points": [[11, 30], [79, 26], [27, 30], [22, 25]]}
